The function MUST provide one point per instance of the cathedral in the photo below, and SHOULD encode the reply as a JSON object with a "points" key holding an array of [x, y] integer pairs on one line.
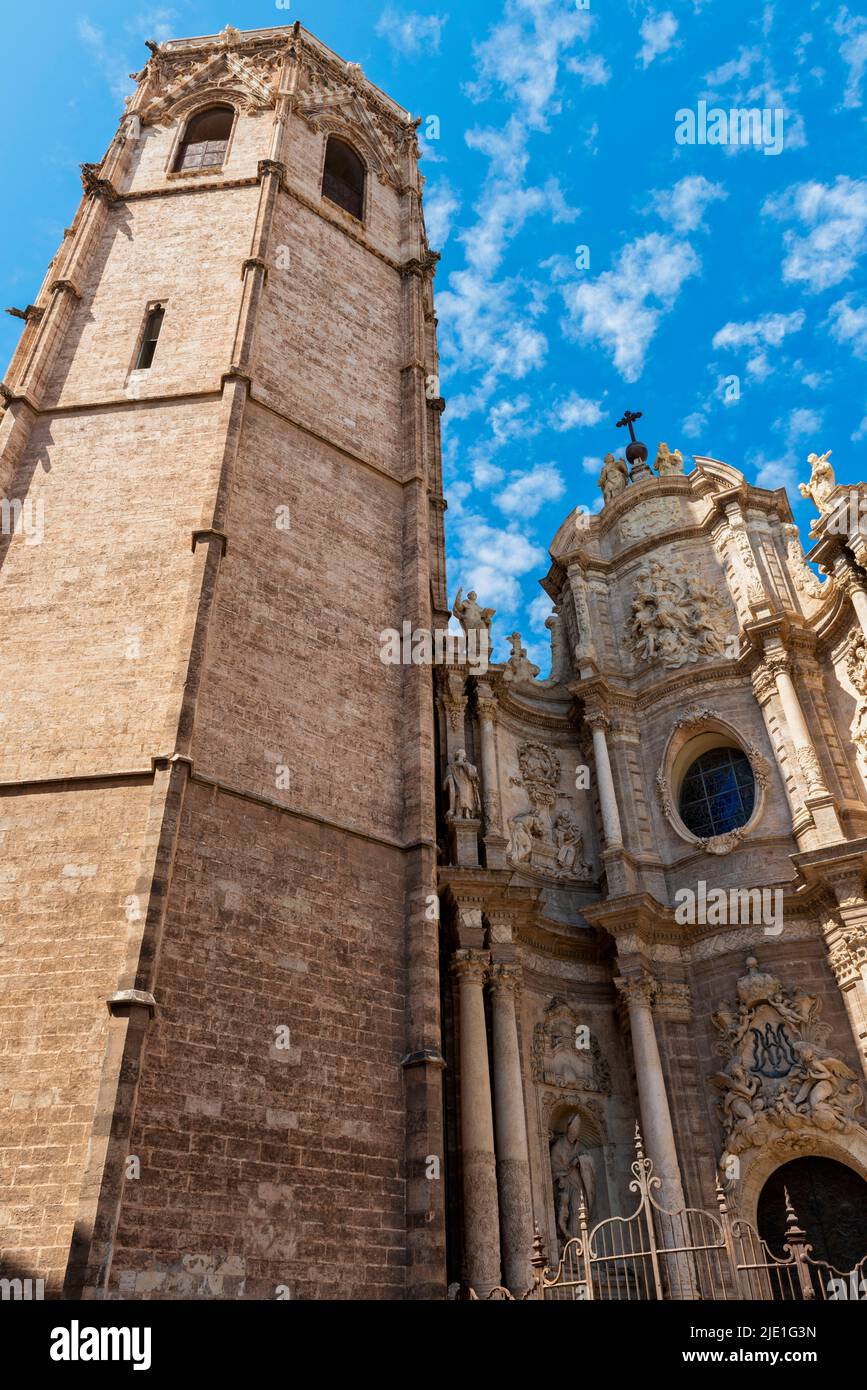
{"points": [[337, 967]]}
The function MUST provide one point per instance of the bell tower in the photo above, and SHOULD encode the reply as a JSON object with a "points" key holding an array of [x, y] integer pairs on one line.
{"points": [[218, 803]]}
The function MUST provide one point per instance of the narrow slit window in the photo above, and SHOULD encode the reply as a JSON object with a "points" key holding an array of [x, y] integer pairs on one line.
{"points": [[153, 324], [206, 139], [343, 177]]}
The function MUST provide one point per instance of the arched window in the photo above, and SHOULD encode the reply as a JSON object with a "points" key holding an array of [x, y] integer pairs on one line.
{"points": [[205, 139], [343, 179], [718, 792]]}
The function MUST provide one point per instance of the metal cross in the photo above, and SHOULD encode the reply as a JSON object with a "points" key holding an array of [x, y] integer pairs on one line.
{"points": [[629, 417]]}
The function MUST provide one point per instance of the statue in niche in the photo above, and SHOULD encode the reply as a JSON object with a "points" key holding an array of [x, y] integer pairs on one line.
{"points": [[668, 462], [462, 785], [614, 477], [822, 485], [574, 1179], [519, 669]]}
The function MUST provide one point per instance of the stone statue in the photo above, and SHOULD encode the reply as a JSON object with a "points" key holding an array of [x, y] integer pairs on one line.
{"points": [[570, 845], [614, 477], [822, 484], [525, 828], [470, 614], [826, 1093], [574, 1179], [668, 462], [462, 784], [519, 669]]}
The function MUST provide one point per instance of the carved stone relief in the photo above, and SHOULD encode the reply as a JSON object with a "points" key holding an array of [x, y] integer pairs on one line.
{"points": [[674, 617], [560, 1059], [649, 517], [778, 1076], [537, 838]]}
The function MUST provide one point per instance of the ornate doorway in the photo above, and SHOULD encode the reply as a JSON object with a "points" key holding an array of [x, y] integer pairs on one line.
{"points": [[831, 1202]]}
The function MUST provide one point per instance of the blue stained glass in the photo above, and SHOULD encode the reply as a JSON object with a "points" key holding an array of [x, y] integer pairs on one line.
{"points": [[718, 792]]}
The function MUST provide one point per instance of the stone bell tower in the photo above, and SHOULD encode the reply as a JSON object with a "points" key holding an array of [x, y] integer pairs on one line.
{"points": [[217, 828]]}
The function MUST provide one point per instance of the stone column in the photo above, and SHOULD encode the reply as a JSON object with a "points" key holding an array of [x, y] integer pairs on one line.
{"points": [[494, 839], [607, 796], [819, 799], [850, 582], [510, 1126], [845, 934], [638, 992], [481, 1213]]}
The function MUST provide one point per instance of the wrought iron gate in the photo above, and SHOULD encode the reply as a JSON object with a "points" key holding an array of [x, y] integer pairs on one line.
{"points": [[689, 1254]]}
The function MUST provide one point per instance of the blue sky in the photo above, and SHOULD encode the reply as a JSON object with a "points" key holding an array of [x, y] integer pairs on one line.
{"points": [[555, 128]]}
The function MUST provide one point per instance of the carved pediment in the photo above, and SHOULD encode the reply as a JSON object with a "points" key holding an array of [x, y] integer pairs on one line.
{"points": [[336, 107], [180, 86]]}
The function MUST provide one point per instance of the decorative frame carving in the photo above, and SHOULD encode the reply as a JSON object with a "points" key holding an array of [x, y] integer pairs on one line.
{"points": [[687, 729]]}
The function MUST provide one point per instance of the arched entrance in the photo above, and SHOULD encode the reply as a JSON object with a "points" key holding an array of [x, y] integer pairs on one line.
{"points": [[830, 1200]]}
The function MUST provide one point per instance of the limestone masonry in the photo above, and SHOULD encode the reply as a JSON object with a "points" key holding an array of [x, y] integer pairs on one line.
{"points": [[327, 975]]}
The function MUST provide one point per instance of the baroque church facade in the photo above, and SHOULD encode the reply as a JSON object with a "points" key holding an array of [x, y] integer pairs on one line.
{"points": [[329, 976]]}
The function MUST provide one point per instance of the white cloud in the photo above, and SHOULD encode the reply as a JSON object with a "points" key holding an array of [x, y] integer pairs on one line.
{"points": [[836, 216], [501, 215], [522, 55], [694, 424], [593, 70], [410, 33], [861, 432], [509, 420], [780, 472], [485, 473], [592, 464], [657, 32], [847, 323], [814, 381], [684, 204], [770, 329], [615, 310], [735, 67], [441, 206], [528, 492], [539, 610], [800, 424], [483, 329], [574, 411], [492, 560], [853, 50]]}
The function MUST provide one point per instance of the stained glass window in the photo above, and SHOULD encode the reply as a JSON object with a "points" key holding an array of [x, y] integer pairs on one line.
{"points": [[718, 792]]}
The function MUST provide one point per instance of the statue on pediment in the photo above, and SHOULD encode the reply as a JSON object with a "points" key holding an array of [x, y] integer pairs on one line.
{"points": [[667, 462], [822, 485], [614, 477]]}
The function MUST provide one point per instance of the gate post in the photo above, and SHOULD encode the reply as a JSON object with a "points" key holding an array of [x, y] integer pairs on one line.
{"points": [[796, 1244]]}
